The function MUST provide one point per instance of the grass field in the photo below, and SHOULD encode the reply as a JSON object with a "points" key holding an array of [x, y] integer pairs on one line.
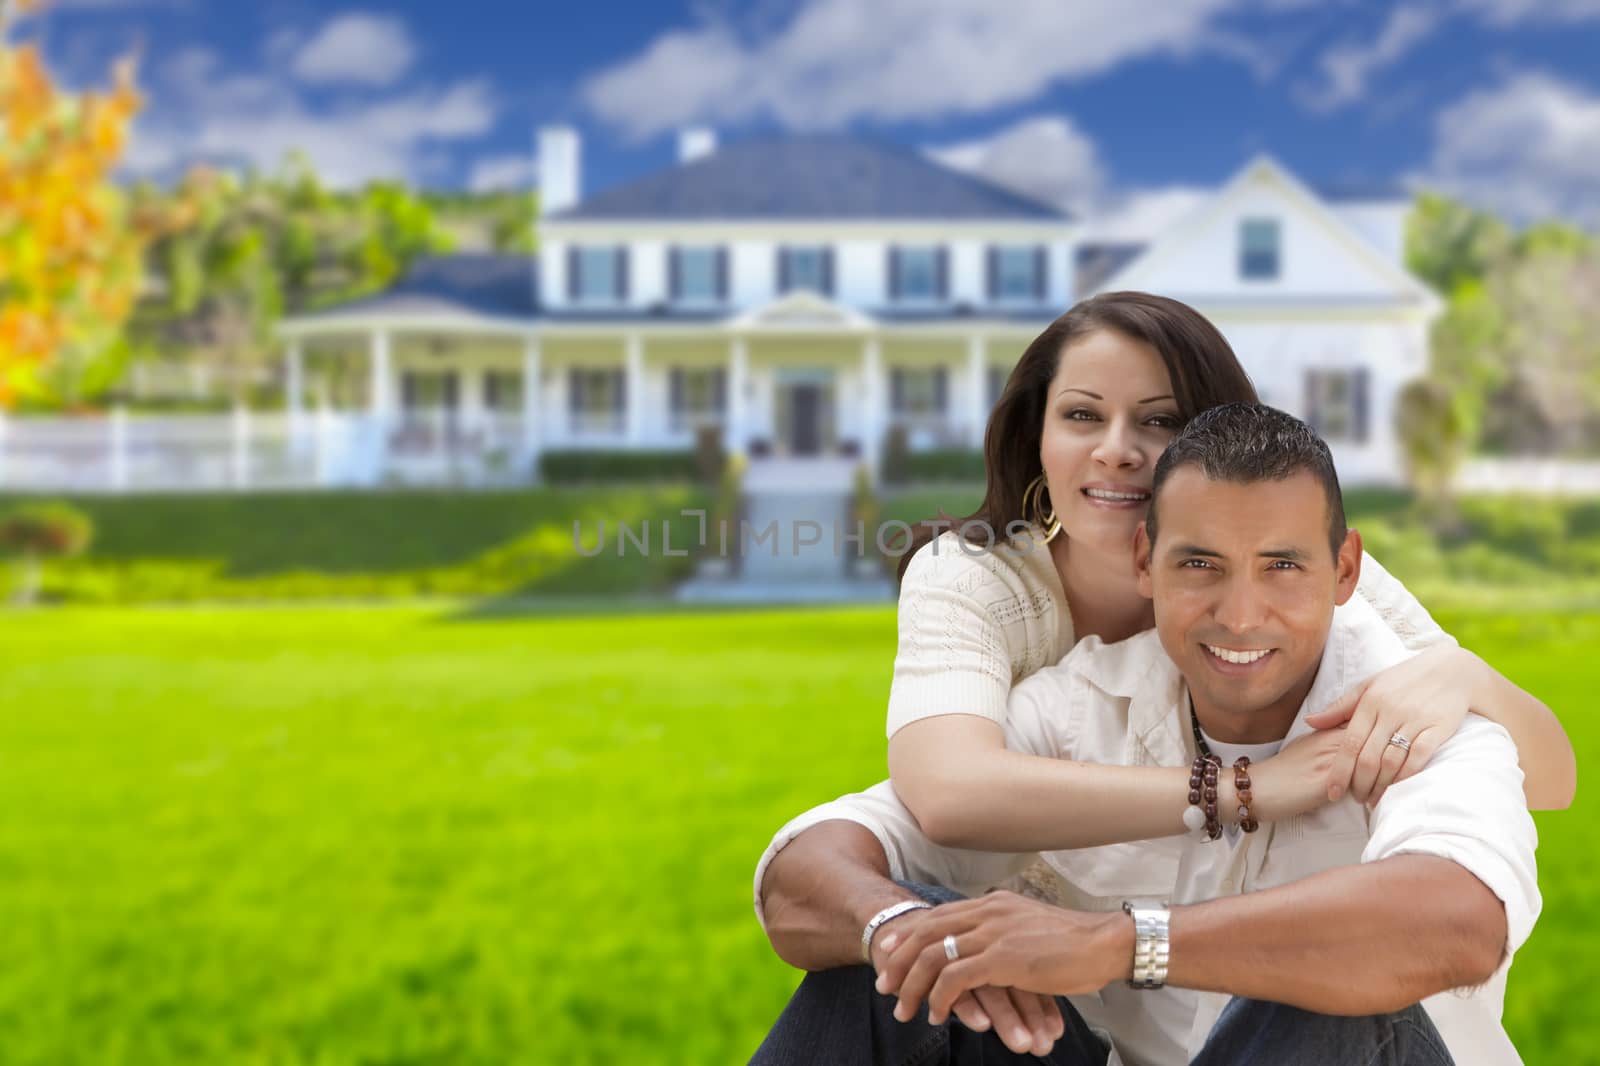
{"points": [[434, 834]]}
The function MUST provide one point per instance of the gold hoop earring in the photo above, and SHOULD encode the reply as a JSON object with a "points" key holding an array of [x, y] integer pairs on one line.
{"points": [[1033, 511]]}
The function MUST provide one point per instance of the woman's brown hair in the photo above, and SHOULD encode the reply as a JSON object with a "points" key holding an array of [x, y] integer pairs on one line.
{"points": [[1199, 360]]}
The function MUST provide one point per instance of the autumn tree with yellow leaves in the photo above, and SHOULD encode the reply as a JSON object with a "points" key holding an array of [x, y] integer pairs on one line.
{"points": [[69, 251]]}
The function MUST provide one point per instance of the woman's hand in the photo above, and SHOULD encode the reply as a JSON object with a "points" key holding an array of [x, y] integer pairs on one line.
{"points": [[1423, 699], [1291, 782]]}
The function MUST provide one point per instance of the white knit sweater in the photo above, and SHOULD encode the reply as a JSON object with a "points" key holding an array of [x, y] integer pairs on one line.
{"points": [[972, 624]]}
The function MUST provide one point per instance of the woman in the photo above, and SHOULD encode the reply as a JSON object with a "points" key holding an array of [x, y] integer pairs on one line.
{"points": [[1069, 454]]}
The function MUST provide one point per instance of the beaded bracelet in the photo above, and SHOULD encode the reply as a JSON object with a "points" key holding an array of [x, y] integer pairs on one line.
{"points": [[1241, 785], [1203, 790]]}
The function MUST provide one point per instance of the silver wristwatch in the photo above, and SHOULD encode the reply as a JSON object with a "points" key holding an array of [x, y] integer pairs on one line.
{"points": [[1151, 945]]}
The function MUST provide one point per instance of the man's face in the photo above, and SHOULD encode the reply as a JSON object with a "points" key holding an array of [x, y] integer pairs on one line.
{"points": [[1244, 587]]}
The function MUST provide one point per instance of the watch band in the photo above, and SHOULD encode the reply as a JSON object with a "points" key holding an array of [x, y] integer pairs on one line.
{"points": [[893, 911], [1152, 946]]}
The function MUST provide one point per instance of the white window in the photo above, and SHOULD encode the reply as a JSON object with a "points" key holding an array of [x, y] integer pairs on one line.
{"points": [[596, 400], [699, 394], [598, 274], [502, 391], [804, 268], [916, 274], [1016, 273], [697, 275], [917, 392], [1336, 404], [1259, 258]]}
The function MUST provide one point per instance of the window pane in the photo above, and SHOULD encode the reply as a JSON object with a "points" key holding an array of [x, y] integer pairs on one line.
{"points": [[697, 274], [597, 393], [919, 391], [1258, 248], [805, 269], [917, 269], [1016, 273], [503, 391], [597, 274]]}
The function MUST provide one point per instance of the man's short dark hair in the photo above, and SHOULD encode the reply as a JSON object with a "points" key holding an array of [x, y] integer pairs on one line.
{"points": [[1244, 443]]}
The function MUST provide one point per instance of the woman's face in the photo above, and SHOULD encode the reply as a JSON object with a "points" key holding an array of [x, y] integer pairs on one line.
{"points": [[1109, 414]]}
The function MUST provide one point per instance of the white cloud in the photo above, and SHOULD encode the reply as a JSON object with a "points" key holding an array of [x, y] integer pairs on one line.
{"points": [[1142, 215], [1346, 68], [1509, 12], [357, 49], [1047, 158], [1529, 148], [837, 61], [249, 118], [503, 172]]}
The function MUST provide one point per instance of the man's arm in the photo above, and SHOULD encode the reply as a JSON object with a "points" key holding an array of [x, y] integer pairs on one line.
{"points": [[1380, 937], [1356, 940], [820, 892]]}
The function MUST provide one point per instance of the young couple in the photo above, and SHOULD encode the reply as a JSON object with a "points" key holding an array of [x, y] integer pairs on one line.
{"points": [[1297, 743]]}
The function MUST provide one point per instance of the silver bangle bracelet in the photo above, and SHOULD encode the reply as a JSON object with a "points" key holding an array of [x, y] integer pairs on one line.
{"points": [[893, 911]]}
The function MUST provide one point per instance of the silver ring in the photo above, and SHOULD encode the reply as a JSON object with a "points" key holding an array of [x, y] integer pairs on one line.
{"points": [[950, 951], [1400, 742]]}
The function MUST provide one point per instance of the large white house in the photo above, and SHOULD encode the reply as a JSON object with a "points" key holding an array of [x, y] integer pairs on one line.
{"points": [[807, 294]]}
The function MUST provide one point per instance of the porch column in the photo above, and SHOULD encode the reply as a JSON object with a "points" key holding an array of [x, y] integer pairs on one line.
{"points": [[738, 377], [635, 388], [294, 387], [872, 403], [532, 369], [381, 402], [977, 389]]}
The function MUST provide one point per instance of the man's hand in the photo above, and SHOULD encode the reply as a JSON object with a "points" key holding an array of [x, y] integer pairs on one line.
{"points": [[1026, 1022], [1008, 941]]}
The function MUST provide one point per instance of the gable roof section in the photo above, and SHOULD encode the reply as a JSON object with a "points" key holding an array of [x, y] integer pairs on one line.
{"points": [[469, 286], [1407, 288], [810, 177]]}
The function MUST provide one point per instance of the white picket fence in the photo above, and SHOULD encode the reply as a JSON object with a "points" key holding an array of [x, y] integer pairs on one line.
{"points": [[245, 451]]}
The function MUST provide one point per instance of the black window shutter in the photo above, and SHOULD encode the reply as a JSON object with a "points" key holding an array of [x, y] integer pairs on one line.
{"points": [[719, 390], [941, 273], [491, 390], [619, 395], [572, 272], [939, 386], [674, 273], [783, 270], [722, 275], [408, 390], [1358, 387], [574, 390], [452, 384], [1041, 273], [1313, 410], [993, 273], [827, 272], [675, 385], [897, 390], [622, 273], [894, 272]]}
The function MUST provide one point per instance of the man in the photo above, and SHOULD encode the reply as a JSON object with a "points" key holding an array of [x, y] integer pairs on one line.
{"points": [[1313, 940]]}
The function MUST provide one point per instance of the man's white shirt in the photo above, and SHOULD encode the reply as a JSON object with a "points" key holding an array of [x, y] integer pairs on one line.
{"points": [[1126, 704]]}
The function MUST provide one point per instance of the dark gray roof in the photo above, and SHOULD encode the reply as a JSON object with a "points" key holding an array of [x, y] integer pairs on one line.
{"points": [[810, 177], [1097, 263], [501, 286]]}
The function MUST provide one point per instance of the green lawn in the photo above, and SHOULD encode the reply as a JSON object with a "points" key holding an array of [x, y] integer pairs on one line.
{"points": [[444, 835]]}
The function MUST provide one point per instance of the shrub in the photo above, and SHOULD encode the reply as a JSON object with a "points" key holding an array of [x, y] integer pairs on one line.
{"points": [[945, 464], [590, 466]]}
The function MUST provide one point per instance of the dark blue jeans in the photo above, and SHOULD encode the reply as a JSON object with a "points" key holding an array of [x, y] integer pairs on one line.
{"points": [[838, 1018]]}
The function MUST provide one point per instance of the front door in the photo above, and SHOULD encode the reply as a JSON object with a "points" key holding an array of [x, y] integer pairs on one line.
{"points": [[805, 419]]}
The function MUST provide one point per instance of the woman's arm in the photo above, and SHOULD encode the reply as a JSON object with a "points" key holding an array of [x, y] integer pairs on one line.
{"points": [[1424, 700], [967, 790]]}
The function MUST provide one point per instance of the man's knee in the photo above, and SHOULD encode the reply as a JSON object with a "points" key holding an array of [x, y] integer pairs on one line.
{"points": [[1259, 1031]]}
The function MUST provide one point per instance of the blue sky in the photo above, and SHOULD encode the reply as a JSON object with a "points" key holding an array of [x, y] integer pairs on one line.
{"points": [[1121, 109]]}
